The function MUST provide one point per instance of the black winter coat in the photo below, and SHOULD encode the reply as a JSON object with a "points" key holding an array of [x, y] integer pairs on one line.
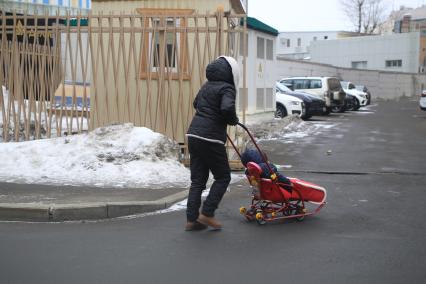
{"points": [[215, 103]]}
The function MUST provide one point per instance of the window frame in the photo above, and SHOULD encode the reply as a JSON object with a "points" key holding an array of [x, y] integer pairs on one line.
{"points": [[269, 55], [258, 55], [393, 63], [180, 48]]}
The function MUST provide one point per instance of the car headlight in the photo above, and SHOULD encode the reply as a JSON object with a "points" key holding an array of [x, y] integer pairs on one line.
{"points": [[296, 103]]}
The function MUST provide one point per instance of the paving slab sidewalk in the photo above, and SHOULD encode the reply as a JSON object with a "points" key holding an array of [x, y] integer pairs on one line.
{"points": [[43, 203]]}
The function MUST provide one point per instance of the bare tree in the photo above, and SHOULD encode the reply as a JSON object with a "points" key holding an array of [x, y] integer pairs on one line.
{"points": [[366, 15], [354, 10]]}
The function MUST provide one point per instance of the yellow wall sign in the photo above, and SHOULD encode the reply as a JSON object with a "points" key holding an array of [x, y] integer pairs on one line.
{"points": [[20, 31]]}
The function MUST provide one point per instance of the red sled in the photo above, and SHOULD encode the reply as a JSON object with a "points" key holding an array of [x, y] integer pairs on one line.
{"points": [[272, 200]]}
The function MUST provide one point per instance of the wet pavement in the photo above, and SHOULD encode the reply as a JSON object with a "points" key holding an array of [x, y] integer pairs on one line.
{"points": [[371, 230]]}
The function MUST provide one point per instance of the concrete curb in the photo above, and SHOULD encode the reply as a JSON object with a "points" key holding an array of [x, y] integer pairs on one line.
{"points": [[83, 211]]}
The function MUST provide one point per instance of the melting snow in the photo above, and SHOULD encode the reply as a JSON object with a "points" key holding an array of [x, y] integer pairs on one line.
{"points": [[113, 156]]}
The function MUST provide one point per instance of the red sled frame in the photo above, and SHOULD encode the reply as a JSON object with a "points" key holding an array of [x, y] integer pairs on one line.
{"points": [[287, 206]]}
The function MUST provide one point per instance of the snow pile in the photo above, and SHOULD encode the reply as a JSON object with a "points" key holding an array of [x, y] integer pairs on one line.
{"points": [[286, 129], [113, 156], [274, 127]]}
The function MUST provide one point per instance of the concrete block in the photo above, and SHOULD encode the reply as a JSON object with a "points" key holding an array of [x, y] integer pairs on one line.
{"points": [[118, 209], [24, 212], [78, 212], [172, 199]]}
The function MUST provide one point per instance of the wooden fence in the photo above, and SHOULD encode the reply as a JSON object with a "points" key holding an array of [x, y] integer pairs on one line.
{"points": [[70, 74]]}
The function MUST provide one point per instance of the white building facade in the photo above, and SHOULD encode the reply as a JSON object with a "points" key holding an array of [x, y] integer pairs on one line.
{"points": [[295, 45], [261, 61], [395, 52]]}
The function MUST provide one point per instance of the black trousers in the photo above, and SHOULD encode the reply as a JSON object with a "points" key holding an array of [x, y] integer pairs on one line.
{"points": [[204, 157]]}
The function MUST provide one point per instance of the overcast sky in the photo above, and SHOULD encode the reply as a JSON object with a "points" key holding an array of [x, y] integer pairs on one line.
{"points": [[310, 15]]}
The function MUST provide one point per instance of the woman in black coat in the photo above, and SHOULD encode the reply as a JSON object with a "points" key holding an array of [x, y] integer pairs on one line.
{"points": [[215, 109]]}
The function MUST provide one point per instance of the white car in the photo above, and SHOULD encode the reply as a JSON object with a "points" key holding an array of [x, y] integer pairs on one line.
{"points": [[422, 102], [288, 105], [361, 97]]}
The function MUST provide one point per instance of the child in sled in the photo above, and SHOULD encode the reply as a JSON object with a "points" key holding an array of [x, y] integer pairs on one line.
{"points": [[253, 155]]}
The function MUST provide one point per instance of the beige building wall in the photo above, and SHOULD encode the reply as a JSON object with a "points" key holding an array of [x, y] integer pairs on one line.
{"points": [[163, 104], [200, 6]]}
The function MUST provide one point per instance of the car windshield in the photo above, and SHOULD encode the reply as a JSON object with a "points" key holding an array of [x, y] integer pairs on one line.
{"points": [[282, 88], [344, 84]]}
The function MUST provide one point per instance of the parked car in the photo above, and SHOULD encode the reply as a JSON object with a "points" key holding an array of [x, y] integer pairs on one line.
{"points": [[286, 104], [361, 97], [326, 88], [364, 89], [422, 102], [350, 102], [313, 105]]}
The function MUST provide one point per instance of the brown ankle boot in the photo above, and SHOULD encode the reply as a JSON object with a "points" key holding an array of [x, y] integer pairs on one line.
{"points": [[195, 226], [210, 221]]}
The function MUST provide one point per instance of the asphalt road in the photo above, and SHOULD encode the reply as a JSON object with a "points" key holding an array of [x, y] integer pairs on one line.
{"points": [[371, 231]]}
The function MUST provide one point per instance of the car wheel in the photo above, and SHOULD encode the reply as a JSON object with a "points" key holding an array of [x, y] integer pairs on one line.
{"points": [[350, 105], [356, 105], [281, 111], [338, 108]]}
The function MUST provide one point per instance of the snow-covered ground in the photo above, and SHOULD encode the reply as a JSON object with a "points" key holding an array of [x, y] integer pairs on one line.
{"points": [[113, 156], [124, 155], [288, 129]]}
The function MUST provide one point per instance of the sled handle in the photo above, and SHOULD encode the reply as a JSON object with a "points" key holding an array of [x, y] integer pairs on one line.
{"points": [[273, 175]]}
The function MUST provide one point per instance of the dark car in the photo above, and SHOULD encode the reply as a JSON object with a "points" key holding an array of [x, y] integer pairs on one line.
{"points": [[313, 105], [365, 90]]}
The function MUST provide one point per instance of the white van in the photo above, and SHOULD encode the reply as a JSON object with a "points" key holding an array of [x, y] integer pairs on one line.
{"points": [[326, 88]]}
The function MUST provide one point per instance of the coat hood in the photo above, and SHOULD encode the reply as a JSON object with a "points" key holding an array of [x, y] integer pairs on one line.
{"points": [[224, 68]]}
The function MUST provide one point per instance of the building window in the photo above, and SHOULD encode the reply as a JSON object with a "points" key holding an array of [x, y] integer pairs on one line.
{"points": [[171, 41], [260, 47], [359, 64], [299, 42], [288, 42], [164, 47], [269, 49], [393, 63], [260, 98], [325, 37]]}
